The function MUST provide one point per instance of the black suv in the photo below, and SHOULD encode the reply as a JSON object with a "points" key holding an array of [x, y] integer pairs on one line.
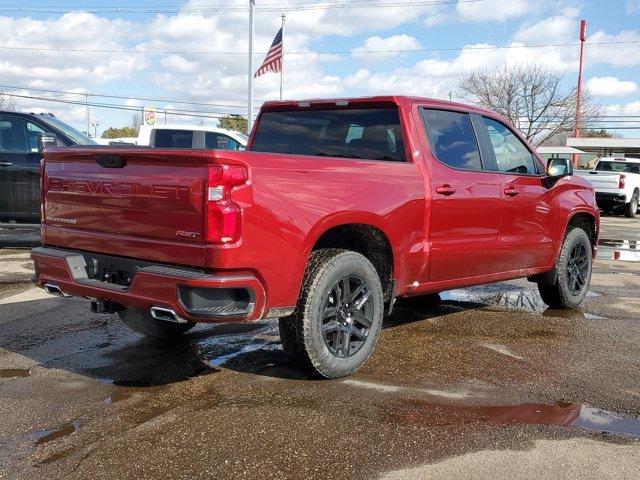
{"points": [[20, 161]]}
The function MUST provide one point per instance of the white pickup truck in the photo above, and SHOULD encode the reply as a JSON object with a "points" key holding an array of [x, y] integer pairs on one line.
{"points": [[616, 181]]}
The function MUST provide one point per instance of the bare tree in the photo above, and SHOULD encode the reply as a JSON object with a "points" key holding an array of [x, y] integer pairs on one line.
{"points": [[7, 102], [532, 98]]}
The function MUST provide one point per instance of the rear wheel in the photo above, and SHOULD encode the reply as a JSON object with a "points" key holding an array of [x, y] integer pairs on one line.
{"points": [[573, 272], [631, 208], [339, 314], [142, 322]]}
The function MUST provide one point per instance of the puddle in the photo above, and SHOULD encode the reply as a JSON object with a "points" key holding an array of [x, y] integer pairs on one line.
{"points": [[561, 414], [14, 372], [48, 435], [565, 414], [497, 295]]}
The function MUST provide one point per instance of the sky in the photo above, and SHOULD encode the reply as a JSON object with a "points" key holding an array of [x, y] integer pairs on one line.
{"points": [[174, 52]]}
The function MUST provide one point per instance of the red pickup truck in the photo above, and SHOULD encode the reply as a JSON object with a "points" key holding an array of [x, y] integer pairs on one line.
{"points": [[337, 208]]}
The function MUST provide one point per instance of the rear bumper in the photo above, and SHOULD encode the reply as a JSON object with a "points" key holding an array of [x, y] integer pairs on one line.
{"points": [[193, 295], [605, 197]]}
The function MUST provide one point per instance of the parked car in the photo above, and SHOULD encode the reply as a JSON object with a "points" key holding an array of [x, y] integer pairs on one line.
{"points": [[337, 208], [617, 184], [20, 161], [191, 136]]}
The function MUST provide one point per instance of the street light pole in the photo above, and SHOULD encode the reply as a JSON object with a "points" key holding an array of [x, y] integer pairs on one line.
{"points": [[576, 130], [250, 68]]}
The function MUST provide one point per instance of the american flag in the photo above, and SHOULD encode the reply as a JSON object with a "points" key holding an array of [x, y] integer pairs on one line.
{"points": [[273, 60]]}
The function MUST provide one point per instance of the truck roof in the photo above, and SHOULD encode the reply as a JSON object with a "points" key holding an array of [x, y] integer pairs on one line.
{"points": [[372, 100]]}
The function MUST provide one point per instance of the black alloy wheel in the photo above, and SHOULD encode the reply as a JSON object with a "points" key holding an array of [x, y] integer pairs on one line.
{"points": [[347, 316], [578, 268]]}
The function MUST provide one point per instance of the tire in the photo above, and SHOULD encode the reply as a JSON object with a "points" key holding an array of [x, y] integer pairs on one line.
{"points": [[568, 292], [314, 335], [631, 208], [142, 322]]}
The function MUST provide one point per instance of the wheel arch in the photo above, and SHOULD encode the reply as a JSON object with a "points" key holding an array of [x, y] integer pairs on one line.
{"points": [[364, 234]]}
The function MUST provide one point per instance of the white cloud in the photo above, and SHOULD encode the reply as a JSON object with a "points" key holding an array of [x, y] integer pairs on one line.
{"points": [[392, 47], [499, 10], [611, 87], [618, 54], [74, 30]]}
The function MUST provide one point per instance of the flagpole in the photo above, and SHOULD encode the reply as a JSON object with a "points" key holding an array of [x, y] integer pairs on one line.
{"points": [[250, 69], [282, 59]]}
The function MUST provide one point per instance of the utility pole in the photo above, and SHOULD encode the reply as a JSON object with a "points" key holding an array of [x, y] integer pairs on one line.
{"points": [[576, 131], [252, 4], [282, 59], [86, 105]]}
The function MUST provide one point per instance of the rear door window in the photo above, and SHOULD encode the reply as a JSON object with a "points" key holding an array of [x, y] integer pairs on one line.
{"points": [[173, 138], [452, 139], [359, 133]]}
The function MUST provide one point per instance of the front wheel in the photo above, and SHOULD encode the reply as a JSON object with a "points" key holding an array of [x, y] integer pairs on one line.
{"points": [[573, 269], [142, 322], [336, 323], [631, 208]]}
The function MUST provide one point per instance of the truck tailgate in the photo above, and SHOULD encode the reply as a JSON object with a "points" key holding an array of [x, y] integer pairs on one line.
{"points": [[147, 203], [602, 181]]}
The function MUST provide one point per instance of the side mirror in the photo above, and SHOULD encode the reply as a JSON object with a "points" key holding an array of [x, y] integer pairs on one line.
{"points": [[48, 140], [559, 167]]}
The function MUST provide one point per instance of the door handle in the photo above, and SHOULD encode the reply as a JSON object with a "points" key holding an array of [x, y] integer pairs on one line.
{"points": [[5, 164], [445, 189], [511, 192]]}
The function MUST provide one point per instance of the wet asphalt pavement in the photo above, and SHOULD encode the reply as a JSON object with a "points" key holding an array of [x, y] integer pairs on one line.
{"points": [[487, 383]]}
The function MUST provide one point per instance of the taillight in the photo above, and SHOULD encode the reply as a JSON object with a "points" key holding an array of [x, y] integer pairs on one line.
{"points": [[622, 182], [224, 218]]}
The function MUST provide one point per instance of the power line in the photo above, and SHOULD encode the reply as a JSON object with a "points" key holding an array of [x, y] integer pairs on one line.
{"points": [[121, 97], [326, 52], [184, 113], [232, 8]]}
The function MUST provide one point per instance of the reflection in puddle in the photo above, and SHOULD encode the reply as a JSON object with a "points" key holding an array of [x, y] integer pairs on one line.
{"points": [[564, 414], [221, 349], [44, 436], [14, 372], [521, 299], [560, 414]]}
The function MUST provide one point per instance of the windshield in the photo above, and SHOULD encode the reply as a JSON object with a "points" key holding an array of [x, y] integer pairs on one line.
{"points": [[78, 137], [618, 166]]}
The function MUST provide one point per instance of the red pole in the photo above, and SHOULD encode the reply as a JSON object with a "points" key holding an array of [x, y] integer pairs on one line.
{"points": [[576, 132]]}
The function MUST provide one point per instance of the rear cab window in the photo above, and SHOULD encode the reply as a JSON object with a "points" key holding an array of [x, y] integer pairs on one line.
{"points": [[172, 138], [618, 166], [354, 133]]}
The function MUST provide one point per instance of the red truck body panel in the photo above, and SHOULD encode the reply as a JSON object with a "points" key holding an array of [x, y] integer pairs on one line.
{"points": [[153, 209]]}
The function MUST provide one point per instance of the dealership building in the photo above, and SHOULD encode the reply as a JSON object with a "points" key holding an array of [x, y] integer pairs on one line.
{"points": [[590, 149]]}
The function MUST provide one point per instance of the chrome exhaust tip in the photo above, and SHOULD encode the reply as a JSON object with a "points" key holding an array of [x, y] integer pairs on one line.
{"points": [[52, 289], [166, 315]]}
